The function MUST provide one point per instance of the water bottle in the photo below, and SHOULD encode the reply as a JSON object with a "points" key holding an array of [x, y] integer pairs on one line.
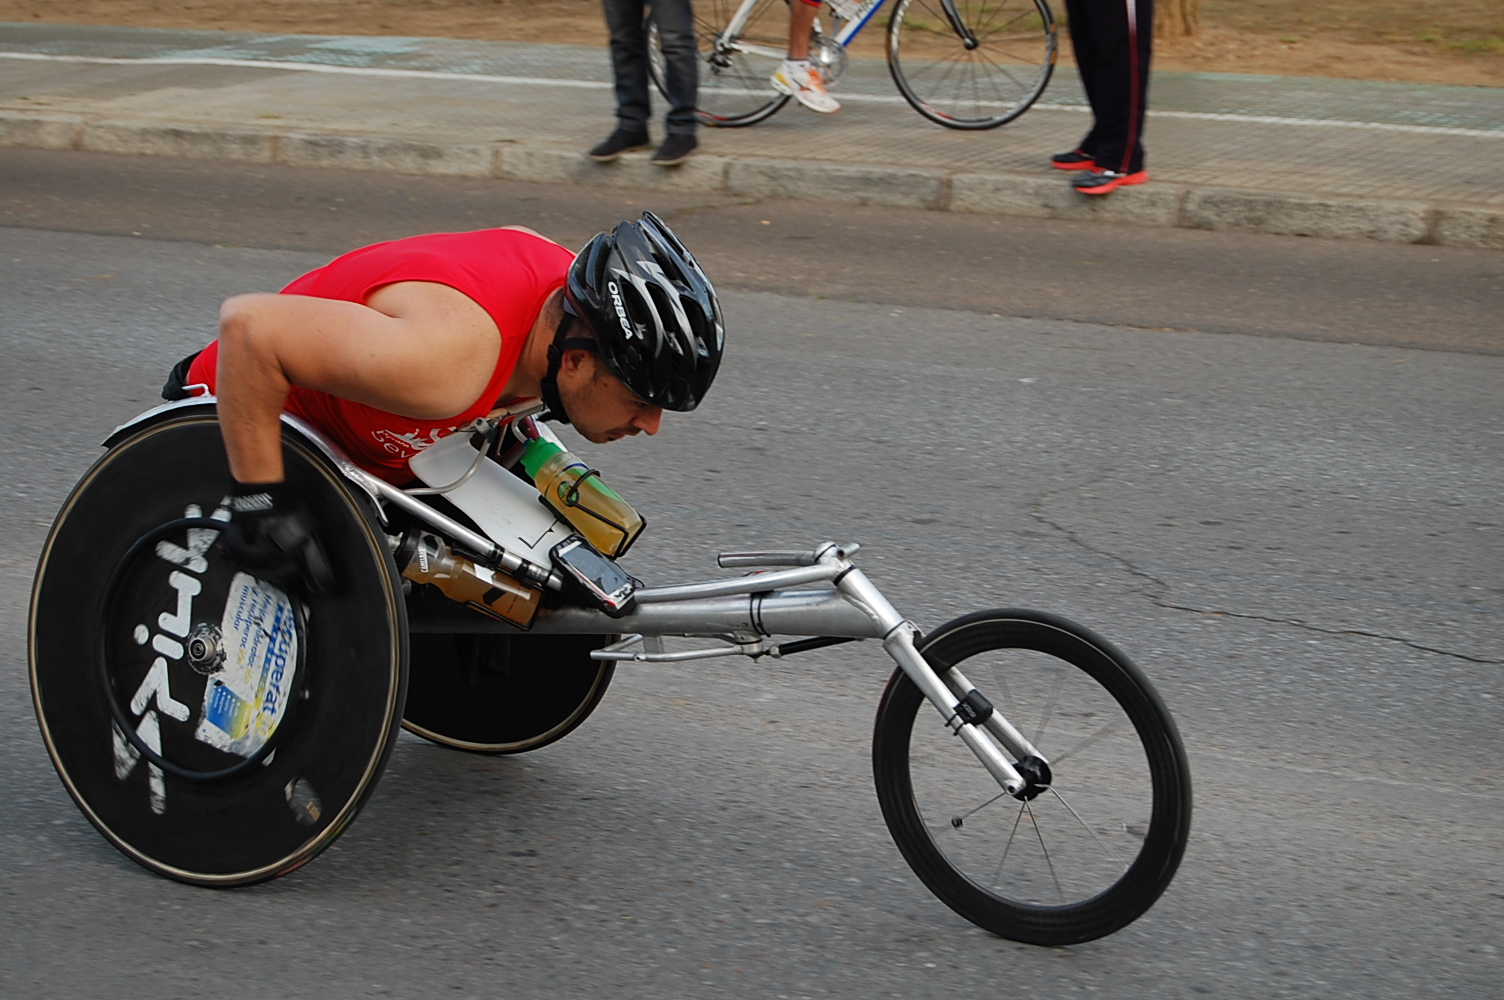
{"points": [[576, 493], [425, 558]]}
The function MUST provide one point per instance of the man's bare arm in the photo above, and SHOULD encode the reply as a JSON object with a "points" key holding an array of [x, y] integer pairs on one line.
{"points": [[420, 349]]}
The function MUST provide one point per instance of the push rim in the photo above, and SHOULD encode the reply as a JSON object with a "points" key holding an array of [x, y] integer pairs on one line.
{"points": [[327, 764]]}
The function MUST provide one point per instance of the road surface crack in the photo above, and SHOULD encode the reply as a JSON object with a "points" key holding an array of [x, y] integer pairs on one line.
{"points": [[1159, 598]]}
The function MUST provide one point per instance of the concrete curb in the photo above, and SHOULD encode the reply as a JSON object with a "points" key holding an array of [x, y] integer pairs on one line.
{"points": [[1161, 205]]}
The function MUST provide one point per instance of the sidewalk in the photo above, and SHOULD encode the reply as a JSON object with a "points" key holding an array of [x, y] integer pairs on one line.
{"points": [[1316, 157]]}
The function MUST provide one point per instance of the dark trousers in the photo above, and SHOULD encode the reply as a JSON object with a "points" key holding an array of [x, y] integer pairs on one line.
{"points": [[629, 62], [1112, 39]]}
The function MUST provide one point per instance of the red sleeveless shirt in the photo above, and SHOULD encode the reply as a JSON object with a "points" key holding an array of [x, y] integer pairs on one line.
{"points": [[509, 274]]}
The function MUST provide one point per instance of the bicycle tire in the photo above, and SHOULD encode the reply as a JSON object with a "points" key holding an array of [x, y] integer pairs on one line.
{"points": [[501, 694], [1112, 825], [344, 697], [735, 87], [978, 88]]}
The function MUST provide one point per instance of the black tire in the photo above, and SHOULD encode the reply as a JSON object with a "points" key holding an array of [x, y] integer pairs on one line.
{"points": [[735, 88], [503, 694], [1096, 848], [978, 88], [344, 697]]}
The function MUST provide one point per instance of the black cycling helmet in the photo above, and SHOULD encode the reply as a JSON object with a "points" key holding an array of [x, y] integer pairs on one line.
{"points": [[653, 311]]}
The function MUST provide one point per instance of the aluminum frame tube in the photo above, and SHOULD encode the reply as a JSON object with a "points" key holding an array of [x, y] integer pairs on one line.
{"points": [[757, 583], [785, 612], [900, 646], [997, 724]]}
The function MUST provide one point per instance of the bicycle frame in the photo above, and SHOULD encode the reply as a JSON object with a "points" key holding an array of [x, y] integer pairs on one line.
{"points": [[865, 12]]}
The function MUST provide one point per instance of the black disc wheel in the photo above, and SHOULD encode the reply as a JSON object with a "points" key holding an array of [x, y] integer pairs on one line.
{"points": [[503, 693], [256, 723], [979, 69], [1094, 839], [736, 60]]}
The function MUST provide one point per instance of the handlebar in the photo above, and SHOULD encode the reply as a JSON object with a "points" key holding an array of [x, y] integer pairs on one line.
{"points": [[785, 557]]}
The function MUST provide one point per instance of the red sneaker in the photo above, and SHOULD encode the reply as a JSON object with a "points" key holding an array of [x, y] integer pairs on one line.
{"points": [[1074, 160], [1104, 181]]}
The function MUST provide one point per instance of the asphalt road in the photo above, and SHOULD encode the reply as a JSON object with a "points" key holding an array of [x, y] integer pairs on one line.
{"points": [[1297, 538], [1355, 291]]}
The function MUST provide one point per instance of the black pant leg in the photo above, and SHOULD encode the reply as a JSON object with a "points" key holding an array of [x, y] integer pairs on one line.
{"points": [[1078, 15], [629, 64], [1122, 38], [676, 29]]}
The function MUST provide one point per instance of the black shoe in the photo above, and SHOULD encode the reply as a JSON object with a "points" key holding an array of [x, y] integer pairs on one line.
{"points": [[675, 150], [1107, 181], [617, 143], [1074, 160]]}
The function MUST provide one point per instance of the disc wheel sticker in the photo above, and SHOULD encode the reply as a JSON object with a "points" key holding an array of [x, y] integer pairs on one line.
{"points": [[245, 699]]}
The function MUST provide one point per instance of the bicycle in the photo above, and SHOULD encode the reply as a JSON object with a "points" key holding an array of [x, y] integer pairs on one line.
{"points": [[1046, 797], [964, 64]]}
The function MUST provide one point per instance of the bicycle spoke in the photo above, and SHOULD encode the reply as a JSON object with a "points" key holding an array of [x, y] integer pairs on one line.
{"points": [[1111, 853], [1097, 737], [972, 812], [1006, 72], [1049, 708], [1047, 859], [998, 877]]}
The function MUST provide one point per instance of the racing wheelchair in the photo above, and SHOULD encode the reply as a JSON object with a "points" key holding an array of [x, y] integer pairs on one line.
{"points": [[221, 732]]}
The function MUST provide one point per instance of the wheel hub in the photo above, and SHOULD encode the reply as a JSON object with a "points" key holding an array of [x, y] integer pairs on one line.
{"points": [[1036, 774], [828, 56], [205, 649]]}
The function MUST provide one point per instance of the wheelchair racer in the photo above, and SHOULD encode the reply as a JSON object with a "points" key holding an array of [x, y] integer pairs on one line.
{"points": [[392, 347]]}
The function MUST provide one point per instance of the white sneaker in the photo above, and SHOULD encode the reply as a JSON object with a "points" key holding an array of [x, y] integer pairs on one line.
{"points": [[803, 84]]}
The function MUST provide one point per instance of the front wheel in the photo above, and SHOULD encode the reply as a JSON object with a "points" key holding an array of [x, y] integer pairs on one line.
{"points": [[1094, 843], [978, 64]]}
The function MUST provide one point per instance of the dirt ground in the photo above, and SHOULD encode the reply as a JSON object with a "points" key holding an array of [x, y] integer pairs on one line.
{"points": [[1420, 41]]}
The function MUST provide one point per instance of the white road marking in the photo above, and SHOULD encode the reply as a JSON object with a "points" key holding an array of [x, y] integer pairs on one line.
{"points": [[538, 81]]}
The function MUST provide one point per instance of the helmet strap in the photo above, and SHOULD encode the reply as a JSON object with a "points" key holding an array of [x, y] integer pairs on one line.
{"points": [[549, 384]]}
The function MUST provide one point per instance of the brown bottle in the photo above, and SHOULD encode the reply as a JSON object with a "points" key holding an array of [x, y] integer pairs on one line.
{"points": [[424, 558]]}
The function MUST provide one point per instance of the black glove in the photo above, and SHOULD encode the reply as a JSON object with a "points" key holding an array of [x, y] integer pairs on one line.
{"points": [[272, 536]]}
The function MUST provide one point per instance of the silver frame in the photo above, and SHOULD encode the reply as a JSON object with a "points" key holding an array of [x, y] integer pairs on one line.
{"points": [[818, 592]]}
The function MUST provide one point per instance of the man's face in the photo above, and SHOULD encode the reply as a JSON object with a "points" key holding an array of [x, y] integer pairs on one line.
{"points": [[600, 407]]}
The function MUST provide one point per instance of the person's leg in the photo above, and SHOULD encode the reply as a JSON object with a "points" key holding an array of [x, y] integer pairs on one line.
{"points": [[629, 65], [1078, 15], [1123, 32], [676, 32], [796, 77], [801, 23]]}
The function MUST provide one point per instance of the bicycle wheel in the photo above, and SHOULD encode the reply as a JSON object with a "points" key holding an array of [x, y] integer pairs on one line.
{"points": [[982, 86], [735, 70], [212, 669], [1097, 837], [503, 694]]}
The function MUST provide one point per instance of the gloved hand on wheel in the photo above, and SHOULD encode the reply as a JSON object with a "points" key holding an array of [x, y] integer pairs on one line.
{"points": [[272, 536]]}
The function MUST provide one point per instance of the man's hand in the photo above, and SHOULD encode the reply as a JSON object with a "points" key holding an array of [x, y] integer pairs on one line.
{"points": [[271, 536]]}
